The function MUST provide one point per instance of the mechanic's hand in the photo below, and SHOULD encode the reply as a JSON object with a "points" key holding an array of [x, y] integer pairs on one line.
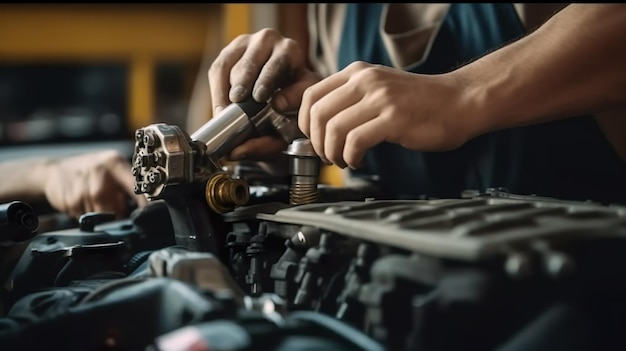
{"points": [[268, 67], [94, 182], [364, 105]]}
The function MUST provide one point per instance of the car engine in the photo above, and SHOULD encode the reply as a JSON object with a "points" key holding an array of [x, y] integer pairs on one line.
{"points": [[235, 257]]}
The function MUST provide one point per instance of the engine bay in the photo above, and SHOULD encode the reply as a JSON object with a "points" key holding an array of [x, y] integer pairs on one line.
{"points": [[239, 259]]}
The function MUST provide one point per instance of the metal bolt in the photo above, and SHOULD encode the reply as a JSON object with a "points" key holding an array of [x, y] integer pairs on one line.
{"points": [[144, 187], [148, 139], [139, 135], [157, 157], [519, 265], [137, 160], [155, 177]]}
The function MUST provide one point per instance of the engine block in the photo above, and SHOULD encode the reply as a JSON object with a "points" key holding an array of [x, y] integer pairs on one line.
{"points": [[493, 271]]}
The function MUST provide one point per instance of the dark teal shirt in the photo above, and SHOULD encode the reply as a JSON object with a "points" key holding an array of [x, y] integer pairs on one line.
{"points": [[567, 159]]}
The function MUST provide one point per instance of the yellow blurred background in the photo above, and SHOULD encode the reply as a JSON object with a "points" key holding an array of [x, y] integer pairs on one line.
{"points": [[162, 50]]}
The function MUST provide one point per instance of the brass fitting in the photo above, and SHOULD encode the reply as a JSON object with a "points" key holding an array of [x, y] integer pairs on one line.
{"points": [[223, 193]]}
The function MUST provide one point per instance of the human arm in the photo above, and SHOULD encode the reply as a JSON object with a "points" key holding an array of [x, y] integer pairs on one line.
{"points": [[572, 65], [93, 182]]}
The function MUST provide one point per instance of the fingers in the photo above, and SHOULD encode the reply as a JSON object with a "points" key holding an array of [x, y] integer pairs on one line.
{"points": [[120, 171], [219, 72], [329, 107], [105, 194], [362, 138], [246, 71], [337, 129], [94, 182], [66, 200], [140, 200], [108, 185], [277, 71], [254, 65], [73, 196], [348, 113], [89, 203], [326, 114], [321, 89]]}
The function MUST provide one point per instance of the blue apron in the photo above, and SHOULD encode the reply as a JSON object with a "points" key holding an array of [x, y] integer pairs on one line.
{"points": [[567, 159]]}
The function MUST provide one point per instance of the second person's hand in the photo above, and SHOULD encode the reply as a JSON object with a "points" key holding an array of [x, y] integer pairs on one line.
{"points": [[94, 182]]}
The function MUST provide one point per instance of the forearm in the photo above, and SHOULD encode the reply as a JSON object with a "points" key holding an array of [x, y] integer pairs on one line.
{"points": [[574, 64], [23, 179]]}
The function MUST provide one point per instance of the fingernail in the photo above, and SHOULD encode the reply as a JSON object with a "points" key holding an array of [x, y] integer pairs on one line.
{"points": [[260, 93], [237, 93], [280, 103]]}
